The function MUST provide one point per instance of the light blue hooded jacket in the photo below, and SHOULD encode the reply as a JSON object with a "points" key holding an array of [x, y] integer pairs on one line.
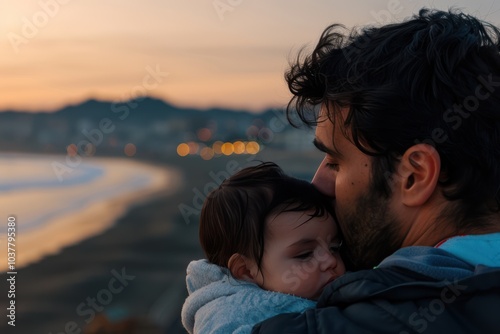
{"points": [[219, 304]]}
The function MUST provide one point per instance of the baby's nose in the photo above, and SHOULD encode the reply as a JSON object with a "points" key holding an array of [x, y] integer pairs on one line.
{"points": [[326, 259]]}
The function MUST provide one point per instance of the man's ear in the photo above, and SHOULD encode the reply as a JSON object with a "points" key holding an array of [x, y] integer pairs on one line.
{"points": [[241, 267], [420, 168]]}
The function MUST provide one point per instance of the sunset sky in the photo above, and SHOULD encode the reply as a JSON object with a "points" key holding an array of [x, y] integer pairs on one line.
{"points": [[229, 53]]}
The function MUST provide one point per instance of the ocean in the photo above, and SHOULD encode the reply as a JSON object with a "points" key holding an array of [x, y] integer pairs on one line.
{"points": [[57, 202]]}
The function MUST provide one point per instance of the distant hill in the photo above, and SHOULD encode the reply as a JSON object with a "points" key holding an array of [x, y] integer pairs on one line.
{"points": [[153, 125]]}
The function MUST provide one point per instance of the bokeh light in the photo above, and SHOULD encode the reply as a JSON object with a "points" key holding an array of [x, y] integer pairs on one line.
{"points": [[193, 147], [182, 149], [252, 147], [266, 135], [90, 149], [239, 147], [130, 150], [72, 150], [204, 134], [252, 132], [227, 148], [217, 147], [207, 153]]}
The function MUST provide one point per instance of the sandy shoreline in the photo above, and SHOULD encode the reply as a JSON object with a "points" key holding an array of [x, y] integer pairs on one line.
{"points": [[98, 213]]}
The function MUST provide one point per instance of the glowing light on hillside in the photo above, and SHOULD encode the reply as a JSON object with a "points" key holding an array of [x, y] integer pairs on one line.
{"points": [[217, 147], [227, 148], [252, 131], [90, 149], [193, 147], [72, 150], [266, 135], [207, 153], [252, 147], [130, 150], [183, 149], [204, 134], [239, 147]]}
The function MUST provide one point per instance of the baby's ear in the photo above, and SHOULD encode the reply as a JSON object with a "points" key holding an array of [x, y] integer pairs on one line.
{"points": [[241, 267]]}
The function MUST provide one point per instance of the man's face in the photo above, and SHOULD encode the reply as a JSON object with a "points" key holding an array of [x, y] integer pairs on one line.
{"points": [[364, 214]]}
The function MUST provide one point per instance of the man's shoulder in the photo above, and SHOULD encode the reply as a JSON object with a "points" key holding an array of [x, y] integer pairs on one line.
{"points": [[399, 283], [398, 296], [409, 273]]}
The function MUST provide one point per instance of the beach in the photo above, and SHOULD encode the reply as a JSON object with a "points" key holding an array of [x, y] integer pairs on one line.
{"points": [[151, 243], [51, 213]]}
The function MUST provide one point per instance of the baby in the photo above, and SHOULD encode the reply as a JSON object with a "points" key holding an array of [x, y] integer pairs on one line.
{"points": [[272, 246]]}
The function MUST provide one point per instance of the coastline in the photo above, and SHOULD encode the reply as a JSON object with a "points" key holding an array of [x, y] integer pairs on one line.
{"points": [[95, 216]]}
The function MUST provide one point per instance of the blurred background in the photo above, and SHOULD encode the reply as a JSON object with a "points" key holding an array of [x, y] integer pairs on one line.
{"points": [[117, 118]]}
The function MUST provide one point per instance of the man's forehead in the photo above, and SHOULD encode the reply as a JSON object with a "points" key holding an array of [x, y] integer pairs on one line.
{"points": [[330, 130], [333, 111]]}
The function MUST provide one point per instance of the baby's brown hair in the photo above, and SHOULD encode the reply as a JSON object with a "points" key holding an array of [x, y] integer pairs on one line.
{"points": [[233, 216]]}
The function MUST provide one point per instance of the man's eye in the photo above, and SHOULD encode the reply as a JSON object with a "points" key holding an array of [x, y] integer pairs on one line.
{"points": [[332, 166], [335, 248], [304, 256]]}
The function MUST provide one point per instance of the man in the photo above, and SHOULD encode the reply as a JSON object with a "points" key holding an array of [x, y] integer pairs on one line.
{"points": [[410, 125]]}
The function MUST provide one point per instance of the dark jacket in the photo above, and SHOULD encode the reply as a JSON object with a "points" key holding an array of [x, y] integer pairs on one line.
{"points": [[416, 290]]}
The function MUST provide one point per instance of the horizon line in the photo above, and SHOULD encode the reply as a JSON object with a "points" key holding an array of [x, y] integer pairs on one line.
{"points": [[63, 105]]}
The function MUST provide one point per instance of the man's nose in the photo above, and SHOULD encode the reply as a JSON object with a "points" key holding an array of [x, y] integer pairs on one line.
{"points": [[324, 179], [328, 261]]}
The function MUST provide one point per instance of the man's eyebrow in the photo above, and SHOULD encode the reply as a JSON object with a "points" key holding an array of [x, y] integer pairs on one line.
{"points": [[302, 242], [322, 147]]}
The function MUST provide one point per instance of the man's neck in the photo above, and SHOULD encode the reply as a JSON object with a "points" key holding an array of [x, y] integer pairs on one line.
{"points": [[430, 229]]}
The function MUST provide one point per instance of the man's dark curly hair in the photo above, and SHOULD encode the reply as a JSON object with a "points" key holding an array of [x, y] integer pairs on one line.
{"points": [[434, 78]]}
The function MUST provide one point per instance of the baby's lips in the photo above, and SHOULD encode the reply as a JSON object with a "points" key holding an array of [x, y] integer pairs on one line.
{"points": [[333, 278]]}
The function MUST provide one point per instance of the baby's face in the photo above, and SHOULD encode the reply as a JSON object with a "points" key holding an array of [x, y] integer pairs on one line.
{"points": [[300, 257]]}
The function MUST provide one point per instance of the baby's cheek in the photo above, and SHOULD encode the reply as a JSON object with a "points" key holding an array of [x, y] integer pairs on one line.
{"points": [[290, 281]]}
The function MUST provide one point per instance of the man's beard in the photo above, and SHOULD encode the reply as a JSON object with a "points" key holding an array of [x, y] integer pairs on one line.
{"points": [[370, 230]]}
